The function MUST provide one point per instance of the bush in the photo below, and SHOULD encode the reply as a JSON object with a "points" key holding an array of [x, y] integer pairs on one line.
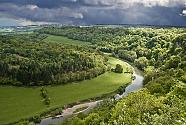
{"points": [[44, 95], [183, 78], [119, 68], [47, 101], [161, 85], [141, 62], [24, 122], [36, 119]]}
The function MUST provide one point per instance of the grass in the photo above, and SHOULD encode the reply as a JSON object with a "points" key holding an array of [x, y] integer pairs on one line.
{"points": [[20, 102], [64, 40]]}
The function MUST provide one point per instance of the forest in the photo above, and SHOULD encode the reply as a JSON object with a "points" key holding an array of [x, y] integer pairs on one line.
{"points": [[63, 65], [160, 53], [26, 61]]}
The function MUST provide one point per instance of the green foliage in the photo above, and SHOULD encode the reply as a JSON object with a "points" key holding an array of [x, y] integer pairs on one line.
{"points": [[44, 95], [138, 108], [36, 119], [149, 69], [183, 78], [135, 109], [30, 101], [73, 121], [141, 63], [56, 112], [64, 40], [161, 85], [127, 55], [92, 119], [173, 62], [160, 52], [118, 69], [156, 44], [27, 61], [179, 42], [23, 122]]}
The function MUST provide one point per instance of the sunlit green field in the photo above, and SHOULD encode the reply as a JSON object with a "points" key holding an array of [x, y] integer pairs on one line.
{"points": [[19, 102], [64, 40]]}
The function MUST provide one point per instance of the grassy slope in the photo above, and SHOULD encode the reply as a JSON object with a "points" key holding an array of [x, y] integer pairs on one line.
{"points": [[64, 40], [18, 102]]}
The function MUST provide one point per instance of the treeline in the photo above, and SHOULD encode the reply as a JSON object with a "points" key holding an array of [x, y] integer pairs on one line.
{"points": [[144, 46], [25, 60], [160, 53]]}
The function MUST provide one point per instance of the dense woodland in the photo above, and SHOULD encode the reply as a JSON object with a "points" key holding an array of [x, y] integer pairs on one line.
{"points": [[26, 60], [160, 53]]}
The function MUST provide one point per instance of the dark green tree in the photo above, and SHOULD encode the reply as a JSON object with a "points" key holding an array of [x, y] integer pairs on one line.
{"points": [[119, 68]]}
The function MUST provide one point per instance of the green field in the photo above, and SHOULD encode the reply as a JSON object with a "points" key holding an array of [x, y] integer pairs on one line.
{"points": [[20, 102], [64, 40]]}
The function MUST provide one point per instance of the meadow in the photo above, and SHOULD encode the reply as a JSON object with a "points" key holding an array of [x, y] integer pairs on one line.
{"points": [[24, 102]]}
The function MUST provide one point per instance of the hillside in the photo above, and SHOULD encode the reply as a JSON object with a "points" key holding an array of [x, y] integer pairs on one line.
{"points": [[160, 53]]}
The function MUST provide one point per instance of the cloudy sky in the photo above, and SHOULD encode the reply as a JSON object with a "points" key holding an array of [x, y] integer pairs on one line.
{"points": [[85, 12]]}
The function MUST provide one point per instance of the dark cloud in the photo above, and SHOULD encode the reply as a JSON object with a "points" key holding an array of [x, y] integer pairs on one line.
{"points": [[154, 12], [43, 3], [34, 13], [136, 15]]}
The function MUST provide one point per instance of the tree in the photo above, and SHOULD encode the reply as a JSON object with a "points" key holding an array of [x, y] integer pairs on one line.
{"points": [[119, 68], [141, 62], [92, 119], [145, 109], [173, 62]]}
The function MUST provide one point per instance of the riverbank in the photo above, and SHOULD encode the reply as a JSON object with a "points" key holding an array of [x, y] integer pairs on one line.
{"points": [[69, 112], [25, 103], [136, 84]]}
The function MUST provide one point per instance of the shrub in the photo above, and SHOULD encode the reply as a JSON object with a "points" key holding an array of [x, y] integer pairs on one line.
{"points": [[36, 119], [119, 68]]}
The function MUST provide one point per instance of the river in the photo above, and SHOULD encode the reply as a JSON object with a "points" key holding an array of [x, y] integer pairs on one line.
{"points": [[136, 84]]}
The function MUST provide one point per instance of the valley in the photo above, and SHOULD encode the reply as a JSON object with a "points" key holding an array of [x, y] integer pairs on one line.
{"points": [[53, 68]]}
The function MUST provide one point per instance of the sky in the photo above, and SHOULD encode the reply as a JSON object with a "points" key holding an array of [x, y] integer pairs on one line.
{"points": [[87, 12]]}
